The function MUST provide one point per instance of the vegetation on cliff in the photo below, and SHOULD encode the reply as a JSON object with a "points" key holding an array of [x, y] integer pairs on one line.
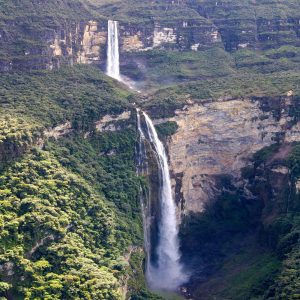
{"points": [[32, 102], [80, 94], [163, 102], [26, 25], [58, 235], [69, 212]]}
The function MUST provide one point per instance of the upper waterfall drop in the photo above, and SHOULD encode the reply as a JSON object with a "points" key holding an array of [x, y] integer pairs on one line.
{"points": [[113, 56], [167, 273]]}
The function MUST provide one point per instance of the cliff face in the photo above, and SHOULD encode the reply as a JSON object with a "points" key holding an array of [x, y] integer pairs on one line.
{"points": [[29, 42], [85, 42], [217, 139], [252, 24], [181, 35], [80, 42]]}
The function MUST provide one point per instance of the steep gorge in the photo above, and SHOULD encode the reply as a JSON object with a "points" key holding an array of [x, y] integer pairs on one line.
{"points": [[232, 141]]}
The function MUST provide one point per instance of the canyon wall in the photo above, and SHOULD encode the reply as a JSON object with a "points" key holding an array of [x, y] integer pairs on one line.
{"points": [[86, 42], [180, 35], [216, 139], [187, 25], [79, 42]]}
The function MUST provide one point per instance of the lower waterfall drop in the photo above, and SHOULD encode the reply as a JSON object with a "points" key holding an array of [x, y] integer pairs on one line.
{"points": [[167, 272]]}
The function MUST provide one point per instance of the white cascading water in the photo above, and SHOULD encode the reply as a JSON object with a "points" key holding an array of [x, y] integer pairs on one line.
{"points": [[145, 204], [113, 56], [167, 273]]}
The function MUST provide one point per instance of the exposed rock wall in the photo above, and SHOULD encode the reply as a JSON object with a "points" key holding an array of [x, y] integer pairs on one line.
{"points": [[83, 42], [59, 131], [252, 24], [181, 35], [79, 37], [107, 123], [218, 138], [110, 123], [78, 42], [93, 43]]}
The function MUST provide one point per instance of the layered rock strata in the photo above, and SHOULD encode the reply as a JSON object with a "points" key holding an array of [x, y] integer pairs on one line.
{"points": [[218, 138]]}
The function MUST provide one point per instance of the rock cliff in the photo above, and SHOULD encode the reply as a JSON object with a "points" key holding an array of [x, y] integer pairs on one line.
{"points": [[43, 43], [84, 42], [217, 138]]}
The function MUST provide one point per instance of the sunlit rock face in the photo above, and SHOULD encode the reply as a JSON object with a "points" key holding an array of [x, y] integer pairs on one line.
{"points": [[218, 138], [180, 35], [110, 123], [85, 42], [92, 44], [65, 44]]}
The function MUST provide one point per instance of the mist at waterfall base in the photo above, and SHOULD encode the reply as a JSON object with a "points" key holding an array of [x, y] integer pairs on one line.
{"points": [[166, 273]]}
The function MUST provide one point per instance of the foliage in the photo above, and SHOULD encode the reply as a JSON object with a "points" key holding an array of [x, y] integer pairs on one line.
{"points": [[81, 94], [144, 12], [31, 102], [12, 128], [260, 237], [16, 136], [263, 155], [294, 161], [68, 220], [230, 215], [165, 101], [287, 284], [107, 162], [163, 67], [26, 26], [281, 232], [166, 129], [243, 11], [58, 234], [138, 289], [69, 212]]}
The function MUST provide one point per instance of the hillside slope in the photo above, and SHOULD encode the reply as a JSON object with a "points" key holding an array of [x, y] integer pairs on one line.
{"points": [[70, 214]]}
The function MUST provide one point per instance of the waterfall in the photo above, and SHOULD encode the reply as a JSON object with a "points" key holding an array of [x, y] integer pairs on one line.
{"points": [[144, 197], [166, 273], [113, 57]]}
